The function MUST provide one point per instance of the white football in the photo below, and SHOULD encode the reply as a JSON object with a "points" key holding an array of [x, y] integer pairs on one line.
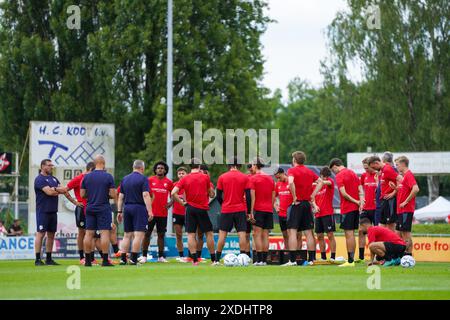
{"points": [[243, 260], [407, 262], [230, 260]]}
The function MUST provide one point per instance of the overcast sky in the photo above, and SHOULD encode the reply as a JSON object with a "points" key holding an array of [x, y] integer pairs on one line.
{"points": [[295, 44]]}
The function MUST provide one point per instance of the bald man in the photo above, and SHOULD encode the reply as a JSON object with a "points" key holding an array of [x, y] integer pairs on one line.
{"points": [[98, 187]]}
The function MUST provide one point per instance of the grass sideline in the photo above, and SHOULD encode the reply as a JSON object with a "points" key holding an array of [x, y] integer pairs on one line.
{"points": [[174, 280]]}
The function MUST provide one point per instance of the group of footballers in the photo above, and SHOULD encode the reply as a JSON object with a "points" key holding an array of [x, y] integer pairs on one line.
{"points": [[379, 204]]}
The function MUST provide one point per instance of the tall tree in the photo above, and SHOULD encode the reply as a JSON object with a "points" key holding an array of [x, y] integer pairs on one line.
{"points": [[405, 66], [114, 68]]}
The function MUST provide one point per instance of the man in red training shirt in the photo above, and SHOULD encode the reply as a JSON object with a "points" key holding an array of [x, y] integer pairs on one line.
{"points": [[262, 199], [325, 215], [197, 188], [383, 243], [178, 215], [388, 205], [80, 213], [300, 216], [160, 188], [352, 202], [369, 184], [231, 188], [406, 201], [283, 198]]}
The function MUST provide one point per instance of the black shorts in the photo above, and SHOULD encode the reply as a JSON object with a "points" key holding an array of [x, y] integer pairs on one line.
{"points": [[325, 224], [80, 218], [350, 221], [263, 219], [404, 221], [283, 223], [197, 218], [161, 225], [394, 250], [369, 214], [236, 219], [388, 211], [300, 217], [178, 219]]}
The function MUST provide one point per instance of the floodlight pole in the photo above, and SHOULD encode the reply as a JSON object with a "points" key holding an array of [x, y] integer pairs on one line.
{"points": [[16, 189], [169, 98]]}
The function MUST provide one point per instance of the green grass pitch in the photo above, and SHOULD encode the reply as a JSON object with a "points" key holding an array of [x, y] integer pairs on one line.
{"points": [[174, 280]]}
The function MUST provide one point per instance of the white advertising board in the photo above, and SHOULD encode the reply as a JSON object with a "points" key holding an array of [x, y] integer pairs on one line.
{"points": [[70, 146]]}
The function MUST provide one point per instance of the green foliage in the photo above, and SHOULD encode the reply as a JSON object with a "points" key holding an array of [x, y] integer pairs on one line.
{"points": [[402, 102], [114, 68], [405, 92]]}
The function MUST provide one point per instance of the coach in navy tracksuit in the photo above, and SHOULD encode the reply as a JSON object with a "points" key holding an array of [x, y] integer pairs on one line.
{"points": [[98, 187], [47, 189], [135, 192]]}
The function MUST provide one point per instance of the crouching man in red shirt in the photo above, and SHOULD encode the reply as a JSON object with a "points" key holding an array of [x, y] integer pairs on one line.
{"points": [[384, 243]]}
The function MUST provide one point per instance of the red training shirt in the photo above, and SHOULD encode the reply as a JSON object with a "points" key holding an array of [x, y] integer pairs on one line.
{"points": [[178, 208], [388, 174], [303, 181], [404, 190], [370, 188], [160, 190], [263, 185], [381, 234], [196, 185], [349, 180], [233, 184], [324, 199], [75, 185], [284, 195]]}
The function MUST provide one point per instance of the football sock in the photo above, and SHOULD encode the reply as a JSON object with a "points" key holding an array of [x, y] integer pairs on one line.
{"points": [[311, 255], [88, 259], [199, 253], [145, 253], [292, 256], [333, 255], [248, 253], [361, 253], [181, 254], [81, 252], [213, 257], [48, 256], [105, 258], [160, 254], [115, 248], [264, 256], [323, 255], [218, 255], [38, 256], [259, 256], [194, 257], [350, 257], [134, 256], [124, 257]]}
